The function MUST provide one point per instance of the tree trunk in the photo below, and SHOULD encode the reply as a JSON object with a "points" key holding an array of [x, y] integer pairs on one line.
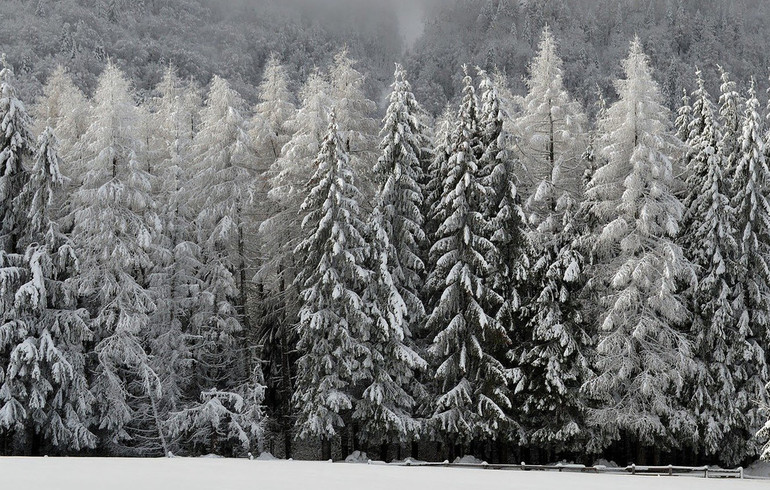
{"points": [[34, 442], [158, 422], [384, 452], [345, 442], [415, 450], [286, 390], [243, 294], [287, 444], [326, 449], [641, 455], [502, 451], [627, 448]]}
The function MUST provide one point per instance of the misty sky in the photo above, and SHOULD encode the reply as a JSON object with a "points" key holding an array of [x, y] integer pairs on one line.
{"points": [[411, 14]]}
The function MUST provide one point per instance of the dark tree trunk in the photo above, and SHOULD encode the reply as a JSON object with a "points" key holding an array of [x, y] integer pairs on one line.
{"points": [[345, 442], [502, 451], [326, 449], [287, 444], [641, 455]]}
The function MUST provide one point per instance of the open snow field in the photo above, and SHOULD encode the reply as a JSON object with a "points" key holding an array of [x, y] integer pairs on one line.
{"points": [[235, 474]]}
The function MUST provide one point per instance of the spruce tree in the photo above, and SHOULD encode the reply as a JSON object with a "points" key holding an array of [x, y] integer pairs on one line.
{"points": [[399, 172], [16, 146], [643, 356], [731, 111], [550, 365], [684, 117], [45, 392], [709, 242], [435, 174], [472, 393], [394, 294], [333, 325], [509, 257], [752, 223]]}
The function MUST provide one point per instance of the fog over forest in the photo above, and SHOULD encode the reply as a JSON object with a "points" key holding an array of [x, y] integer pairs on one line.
{"points": [[234, 38]]}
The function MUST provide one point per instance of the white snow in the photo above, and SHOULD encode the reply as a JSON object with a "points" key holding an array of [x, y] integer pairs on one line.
{"points": [[237, 474], [468, 460], [759, 469], [357, 457]]}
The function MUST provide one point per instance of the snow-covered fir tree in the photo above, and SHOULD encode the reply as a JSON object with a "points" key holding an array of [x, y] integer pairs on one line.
{"points": [[764, 435], [393, 295], [355, 118], [731, 113], [288, 181], [684, 118], [174, 280], [44, 395], [17, 146], [289, 177], [333, 324], [399, 172], [113, 232], [709, 242], [435, 173], [751, 218], [64, 108], [553, 129], [643, 356], [550, 365], [228, 372], [472, 393], [501, 207], [269, 132]]}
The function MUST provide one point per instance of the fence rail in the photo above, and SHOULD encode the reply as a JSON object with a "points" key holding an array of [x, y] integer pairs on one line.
{"points": [[670, 470]]}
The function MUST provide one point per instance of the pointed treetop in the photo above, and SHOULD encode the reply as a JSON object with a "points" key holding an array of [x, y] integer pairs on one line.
{"points": [[7, 72], [546, 66]]}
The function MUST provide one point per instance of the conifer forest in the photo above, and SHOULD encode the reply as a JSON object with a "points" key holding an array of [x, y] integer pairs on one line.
{"points": [[519, 230]]}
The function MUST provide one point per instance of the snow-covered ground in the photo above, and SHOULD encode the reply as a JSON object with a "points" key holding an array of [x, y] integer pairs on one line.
{"points": [[229, 474]]}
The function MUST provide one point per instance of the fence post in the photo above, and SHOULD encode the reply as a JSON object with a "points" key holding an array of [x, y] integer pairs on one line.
{"points": [[633, 468], [706, 472], [670, 470], [740, 471], [523, 466]]}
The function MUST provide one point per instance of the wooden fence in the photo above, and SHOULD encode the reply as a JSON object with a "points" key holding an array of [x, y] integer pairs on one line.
{"points": [[670, 470]]}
